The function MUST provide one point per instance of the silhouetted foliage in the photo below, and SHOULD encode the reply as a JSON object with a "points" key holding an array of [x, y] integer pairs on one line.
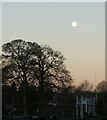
{"points": [[17, 54], [27, 64], [102, 86], [85, 86], [101, 106], [36, 81]]}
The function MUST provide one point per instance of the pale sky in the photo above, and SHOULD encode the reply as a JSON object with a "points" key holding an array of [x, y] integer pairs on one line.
{"points": [[50, 23]]}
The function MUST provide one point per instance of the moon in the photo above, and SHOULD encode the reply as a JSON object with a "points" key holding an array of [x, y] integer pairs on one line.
{"points": [[74, 24]]}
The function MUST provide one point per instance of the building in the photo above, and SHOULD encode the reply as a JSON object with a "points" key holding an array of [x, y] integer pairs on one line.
{"points": [[85, 106]]}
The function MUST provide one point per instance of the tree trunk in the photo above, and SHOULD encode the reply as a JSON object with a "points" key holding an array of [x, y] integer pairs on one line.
{"points": [[24, 100], [24, 94]]}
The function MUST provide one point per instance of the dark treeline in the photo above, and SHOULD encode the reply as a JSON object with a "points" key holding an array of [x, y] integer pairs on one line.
{"points": [[35, 81]]}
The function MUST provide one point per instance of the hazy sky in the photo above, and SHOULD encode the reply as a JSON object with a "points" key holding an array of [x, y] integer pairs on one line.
{"points": [[50, 23]]}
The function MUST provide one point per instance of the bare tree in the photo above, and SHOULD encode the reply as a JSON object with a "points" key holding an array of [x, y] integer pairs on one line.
{"points": [[102, 86], [17, 55], [85, 86], [27, 63]]}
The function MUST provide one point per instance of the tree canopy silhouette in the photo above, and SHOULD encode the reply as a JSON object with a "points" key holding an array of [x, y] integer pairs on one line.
{"points": [[17, 55], [27, 63], [102, 86]]}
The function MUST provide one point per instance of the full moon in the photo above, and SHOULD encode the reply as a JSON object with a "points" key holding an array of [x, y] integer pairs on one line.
{"points": [[74, 24]]}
